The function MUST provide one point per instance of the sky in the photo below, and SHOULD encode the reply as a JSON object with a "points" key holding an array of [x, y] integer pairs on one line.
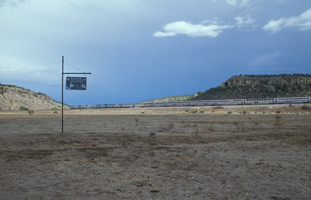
{"points": [[140, 50]]}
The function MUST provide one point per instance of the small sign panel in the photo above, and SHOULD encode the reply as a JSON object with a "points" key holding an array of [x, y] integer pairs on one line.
{"points": [[76, 83]]}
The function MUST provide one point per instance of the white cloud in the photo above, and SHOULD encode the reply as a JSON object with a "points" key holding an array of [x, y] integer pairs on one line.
{"points": [[302, 22], [232, 2], [241, 21], [192, 30], [213, 29], [238, 3], [163, 34]]}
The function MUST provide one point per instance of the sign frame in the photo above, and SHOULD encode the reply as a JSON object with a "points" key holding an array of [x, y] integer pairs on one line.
{"points": [[76, 83]]}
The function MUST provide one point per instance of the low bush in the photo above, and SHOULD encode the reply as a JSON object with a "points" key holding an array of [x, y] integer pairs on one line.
{"points": [[305, 107], [152, 134], [23, 108]]}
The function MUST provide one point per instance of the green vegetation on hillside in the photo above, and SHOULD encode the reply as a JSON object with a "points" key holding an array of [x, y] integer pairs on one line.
{"points": [[23, 108], [12, 86]]}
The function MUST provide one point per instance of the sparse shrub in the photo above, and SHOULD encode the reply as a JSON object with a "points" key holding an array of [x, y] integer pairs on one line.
{"points": [[244, 112], [40, 93], [229, 112], [201, 111], [305, 107], [278, 117], [152, 134], [278, 112], [54, 108], [23, 108]]}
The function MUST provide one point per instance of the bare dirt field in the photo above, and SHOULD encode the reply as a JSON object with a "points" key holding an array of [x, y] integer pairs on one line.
{"points": [[248, 152]]}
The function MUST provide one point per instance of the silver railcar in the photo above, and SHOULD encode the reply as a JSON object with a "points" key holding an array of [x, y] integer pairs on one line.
{"points": [[259, 101], [290, 100]]}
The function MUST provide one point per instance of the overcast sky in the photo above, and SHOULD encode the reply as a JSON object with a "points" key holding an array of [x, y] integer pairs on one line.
{"points": [[139, 50]]}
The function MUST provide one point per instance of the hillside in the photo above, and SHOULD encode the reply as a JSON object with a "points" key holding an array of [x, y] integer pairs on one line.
{"points": [[171, 98], [253, 86], [12, 97], [260, 86]]}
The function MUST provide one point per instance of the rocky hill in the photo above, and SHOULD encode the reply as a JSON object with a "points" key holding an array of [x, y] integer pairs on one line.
{"points": [[253, 86], [16, 98], [171, 98], [260, 86]]}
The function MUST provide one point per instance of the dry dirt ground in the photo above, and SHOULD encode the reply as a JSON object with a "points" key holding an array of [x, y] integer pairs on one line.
{"points": [[168, 153]]}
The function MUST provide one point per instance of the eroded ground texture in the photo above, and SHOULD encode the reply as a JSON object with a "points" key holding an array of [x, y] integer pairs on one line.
{"points": [[145, 156]]}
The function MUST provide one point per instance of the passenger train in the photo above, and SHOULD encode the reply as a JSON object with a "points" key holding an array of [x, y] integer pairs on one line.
{"points": [[255, 101]]}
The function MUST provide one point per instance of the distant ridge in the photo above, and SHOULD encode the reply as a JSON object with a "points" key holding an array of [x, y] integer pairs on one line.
{"points": [[171, 98], [253, 86], [14, 98], [260, 86]]}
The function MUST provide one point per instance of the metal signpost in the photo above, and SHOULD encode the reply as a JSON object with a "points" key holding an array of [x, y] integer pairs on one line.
{"points": [[72, 83]]}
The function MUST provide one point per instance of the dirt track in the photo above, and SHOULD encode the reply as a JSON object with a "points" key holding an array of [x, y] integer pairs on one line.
{"points": [[193, 155]]}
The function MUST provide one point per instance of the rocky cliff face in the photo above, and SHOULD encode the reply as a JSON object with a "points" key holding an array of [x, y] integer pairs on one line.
{"points": [[260, 86], [12, 98]]}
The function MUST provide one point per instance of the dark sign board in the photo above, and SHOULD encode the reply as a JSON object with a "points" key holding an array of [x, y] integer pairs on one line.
{"points": [[76, 83]]}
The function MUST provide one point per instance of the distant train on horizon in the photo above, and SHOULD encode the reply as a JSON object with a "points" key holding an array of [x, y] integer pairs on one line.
{"points": [[254, 101]]}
